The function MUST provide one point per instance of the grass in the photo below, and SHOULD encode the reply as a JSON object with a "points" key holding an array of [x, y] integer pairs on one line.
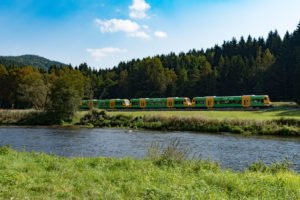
{"points": [[283, 120], [210, 114], [14, 116], [39, 176], [277, 127]]}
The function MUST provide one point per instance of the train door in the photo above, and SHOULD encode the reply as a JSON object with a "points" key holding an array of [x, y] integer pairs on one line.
{"points": [[170, 102], [210, 102], [112, 104], [246, 101], [266, 100], [143, 103], [90, 104]]}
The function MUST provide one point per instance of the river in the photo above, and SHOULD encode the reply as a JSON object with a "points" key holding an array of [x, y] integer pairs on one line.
{"points": [[235, 152]]}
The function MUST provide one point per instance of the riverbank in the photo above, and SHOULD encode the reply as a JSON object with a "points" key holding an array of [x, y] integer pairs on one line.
{"points": [[279, 121], [166, 176], [277, 127]]}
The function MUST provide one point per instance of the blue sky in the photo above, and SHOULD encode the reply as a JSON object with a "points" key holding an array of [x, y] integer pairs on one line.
{"points": [[105, 32]]}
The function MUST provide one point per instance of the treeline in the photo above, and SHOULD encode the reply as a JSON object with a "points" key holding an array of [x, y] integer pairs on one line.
{"points": [[58, 91], [247, 66]]}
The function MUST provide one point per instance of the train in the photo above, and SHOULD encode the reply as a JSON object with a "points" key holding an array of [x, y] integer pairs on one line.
{"points": [[209, 102]]}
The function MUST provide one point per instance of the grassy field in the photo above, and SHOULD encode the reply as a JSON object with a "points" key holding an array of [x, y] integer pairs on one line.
{"points": [[40, 176], [265, 114]]}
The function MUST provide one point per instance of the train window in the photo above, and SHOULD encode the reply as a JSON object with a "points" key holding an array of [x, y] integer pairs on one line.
{"points": [[119, 103], [103, 104], [178, 101], [135, 103]]}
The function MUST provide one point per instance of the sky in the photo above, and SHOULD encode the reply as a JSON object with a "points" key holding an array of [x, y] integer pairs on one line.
{"points": [[103, 33]]}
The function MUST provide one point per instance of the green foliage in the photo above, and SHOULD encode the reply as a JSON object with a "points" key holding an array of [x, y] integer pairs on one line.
{"points": [[40, 176], [66, 93], [237, 67], [279, 127], [31, 90], [275, 167], [101, 119]]}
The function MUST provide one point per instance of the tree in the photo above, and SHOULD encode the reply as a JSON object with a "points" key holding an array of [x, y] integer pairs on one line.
{"points": [[31, 90], [66, 94], [123, 84], [296, 53], [3, 79], [182, 82]]}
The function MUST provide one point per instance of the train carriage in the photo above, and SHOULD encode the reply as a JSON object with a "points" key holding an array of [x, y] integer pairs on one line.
{"points": [[105, 104], [245, 101], [228, 102], [159, 103]]}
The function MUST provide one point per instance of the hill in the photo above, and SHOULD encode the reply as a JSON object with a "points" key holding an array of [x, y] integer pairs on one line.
{"points": [[26, 60]]}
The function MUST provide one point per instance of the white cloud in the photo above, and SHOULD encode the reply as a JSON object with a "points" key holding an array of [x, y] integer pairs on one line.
{"points": [[116, 25], [140, 34], [99, 54], [160, 34], [138, 9], [133, 29]]}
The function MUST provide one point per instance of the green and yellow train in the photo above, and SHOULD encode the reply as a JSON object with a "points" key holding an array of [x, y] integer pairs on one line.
{"points": [[246, 101]]}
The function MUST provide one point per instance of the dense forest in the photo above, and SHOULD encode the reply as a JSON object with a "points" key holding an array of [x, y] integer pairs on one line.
{"points": [[237, 67], [245, 66]]}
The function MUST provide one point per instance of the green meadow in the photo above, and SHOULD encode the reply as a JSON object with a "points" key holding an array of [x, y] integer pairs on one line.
{"points": [[31, 175], [280, 110]]}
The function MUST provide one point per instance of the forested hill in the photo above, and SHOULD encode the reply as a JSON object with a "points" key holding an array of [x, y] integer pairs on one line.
{"points": [[28, 60], [238, 67]]}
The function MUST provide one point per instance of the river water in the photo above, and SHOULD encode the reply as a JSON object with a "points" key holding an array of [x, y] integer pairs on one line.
{"points": [[235, 152]]}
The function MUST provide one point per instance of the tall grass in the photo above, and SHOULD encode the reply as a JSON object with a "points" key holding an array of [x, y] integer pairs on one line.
{"points": [[278, 126], [14, 116], [281, 127], [28, 117], [39, 176]]}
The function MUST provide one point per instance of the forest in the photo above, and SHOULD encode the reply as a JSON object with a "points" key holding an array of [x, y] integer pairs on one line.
{"points": [[238, 67]]}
